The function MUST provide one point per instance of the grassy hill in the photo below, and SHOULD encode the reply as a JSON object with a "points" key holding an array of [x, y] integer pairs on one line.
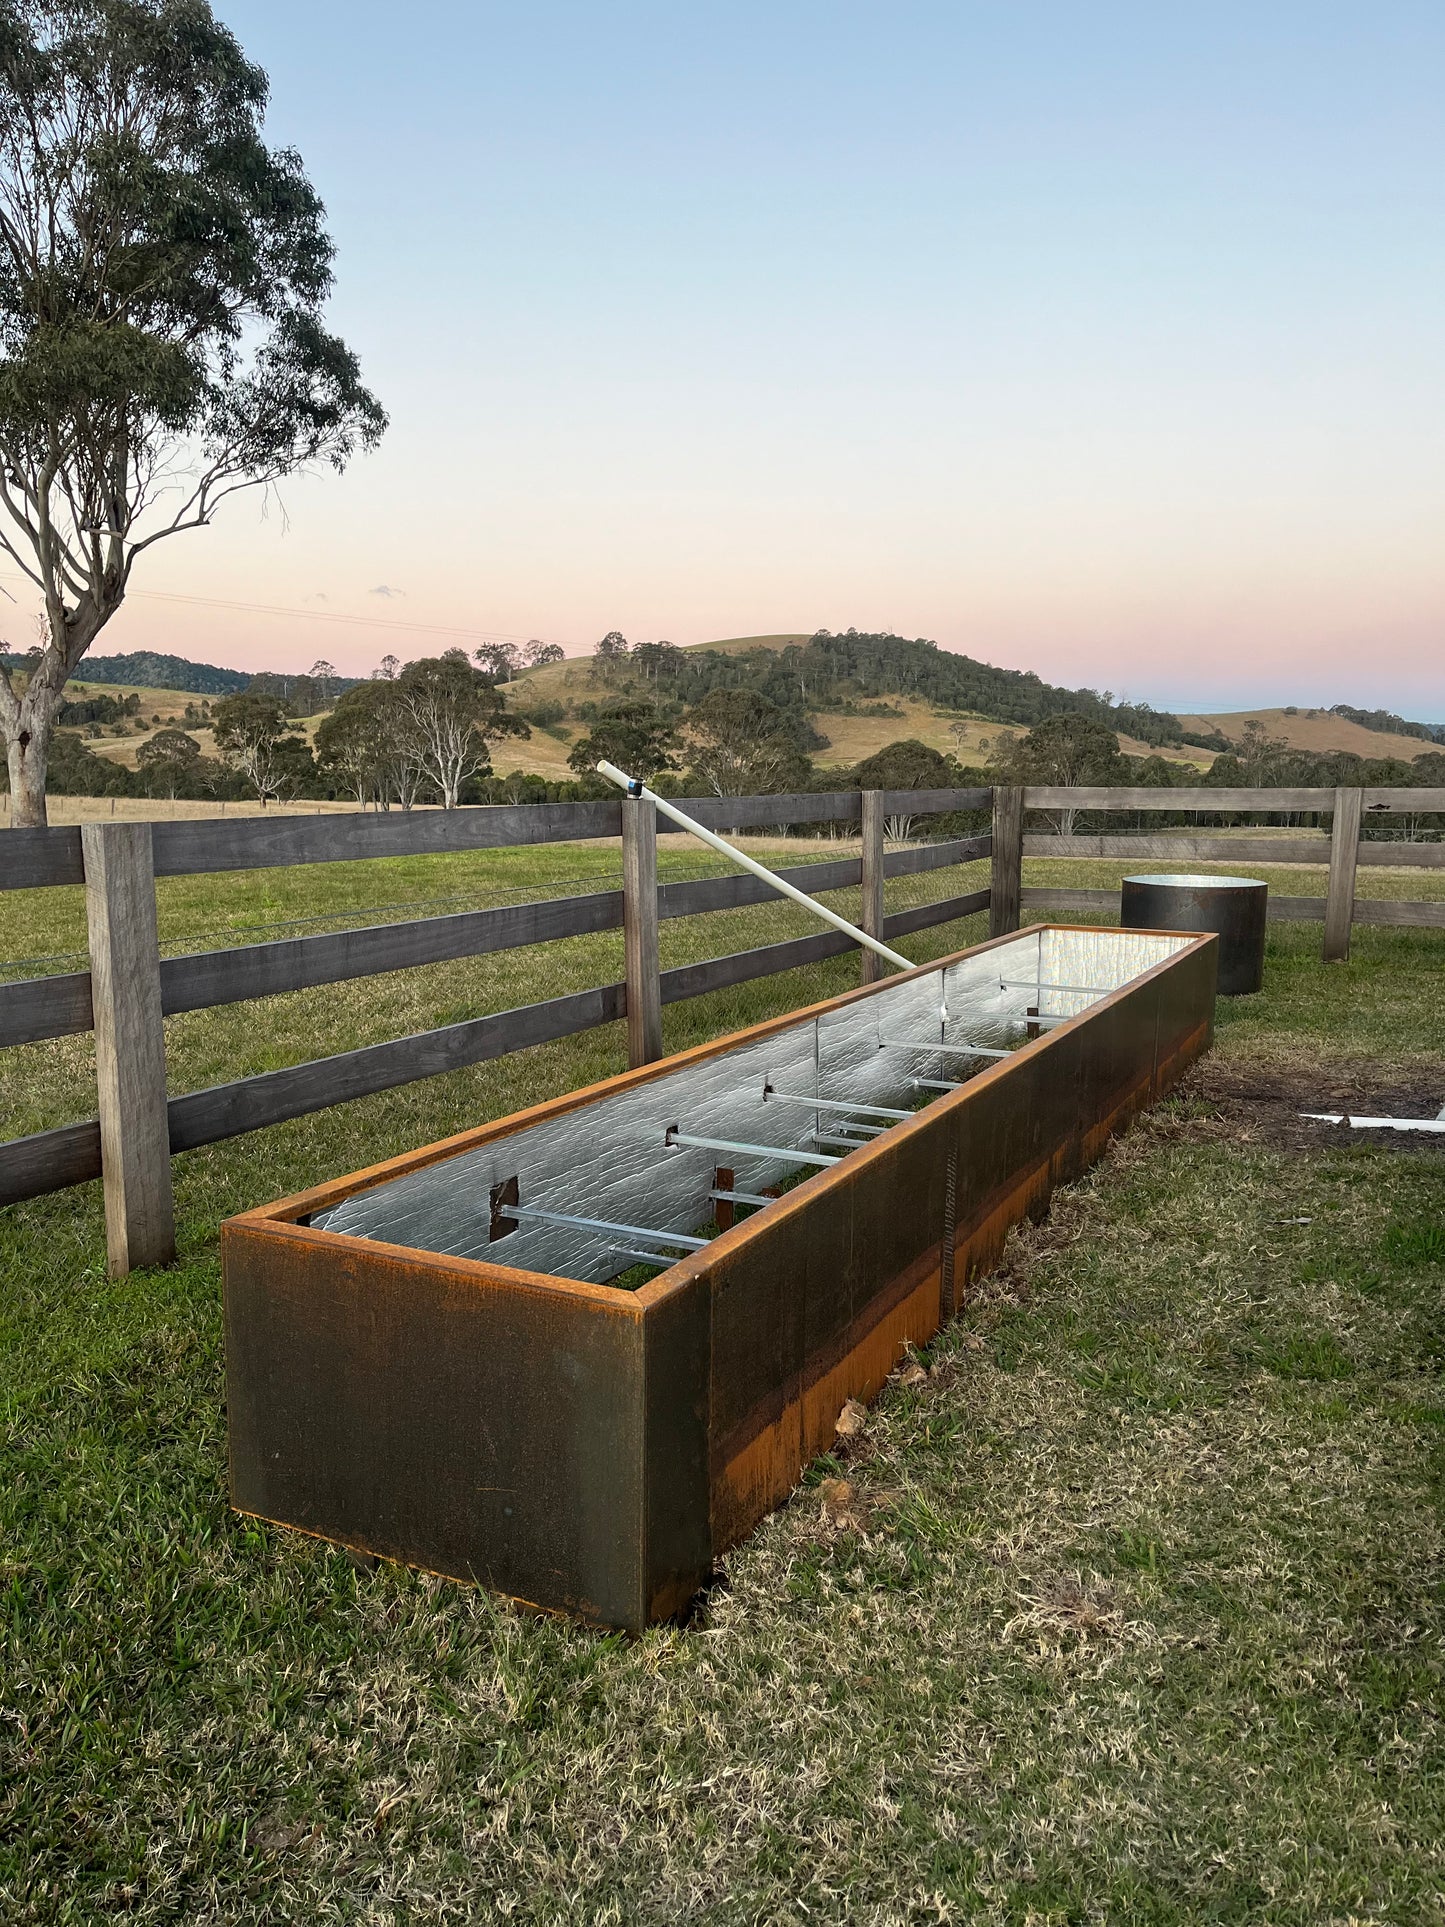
{"points": [[850, 737], [851, 734], [1319, 730]]}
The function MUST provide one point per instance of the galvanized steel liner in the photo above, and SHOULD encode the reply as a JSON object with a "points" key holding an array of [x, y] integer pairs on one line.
{"points": [[609, 1159]]}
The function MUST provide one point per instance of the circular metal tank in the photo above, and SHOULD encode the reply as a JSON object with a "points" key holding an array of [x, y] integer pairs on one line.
{"points": [[1233, 907]]}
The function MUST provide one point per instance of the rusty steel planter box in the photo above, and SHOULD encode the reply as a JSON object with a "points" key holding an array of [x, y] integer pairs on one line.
{"points": [[592, 1449]]}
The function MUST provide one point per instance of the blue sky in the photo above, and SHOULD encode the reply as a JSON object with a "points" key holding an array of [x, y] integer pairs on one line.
{"points": [[1104, 340]]}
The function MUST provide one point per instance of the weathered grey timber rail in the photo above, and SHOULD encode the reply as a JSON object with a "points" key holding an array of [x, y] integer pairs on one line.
{"points": [[59, 1006], [120, 898], [1342, 850]]}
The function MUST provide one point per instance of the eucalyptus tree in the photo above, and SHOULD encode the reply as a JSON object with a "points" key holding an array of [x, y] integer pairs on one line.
{"points": [[631, 732], [169, 758], [447, 717], [354, 741], [739, 743], [251, 729], [162, 278]]}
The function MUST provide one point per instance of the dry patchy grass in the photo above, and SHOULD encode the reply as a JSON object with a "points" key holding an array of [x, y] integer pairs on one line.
{"points": [[1122, 1605]]}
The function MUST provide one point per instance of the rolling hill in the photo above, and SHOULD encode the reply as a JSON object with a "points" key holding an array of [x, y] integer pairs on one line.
{"points": [[870, 716], [850, 736], [1319, 730]]}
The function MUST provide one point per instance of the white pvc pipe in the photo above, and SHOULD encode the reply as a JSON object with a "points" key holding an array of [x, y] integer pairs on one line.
{"points": [[686, 822]]}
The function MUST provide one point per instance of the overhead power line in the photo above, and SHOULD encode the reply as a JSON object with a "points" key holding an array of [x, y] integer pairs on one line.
{"points": [[323, 615]]}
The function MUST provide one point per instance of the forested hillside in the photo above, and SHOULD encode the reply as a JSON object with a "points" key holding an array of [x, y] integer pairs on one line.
{"points": [[835, 673], [151, 671]]}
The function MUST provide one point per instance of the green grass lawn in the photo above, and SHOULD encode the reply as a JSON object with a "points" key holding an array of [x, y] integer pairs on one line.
{"points": [[1125, 1607]]}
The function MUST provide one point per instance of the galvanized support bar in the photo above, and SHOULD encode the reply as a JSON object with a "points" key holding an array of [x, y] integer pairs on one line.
{"points": [[948, 1050], [789, 1153], [832, 1104], [528, 1211], [1067, 990]]}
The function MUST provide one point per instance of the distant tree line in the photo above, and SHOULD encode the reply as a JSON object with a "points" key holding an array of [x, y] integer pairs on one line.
{"points": [[1389, 724], [692, 723]]}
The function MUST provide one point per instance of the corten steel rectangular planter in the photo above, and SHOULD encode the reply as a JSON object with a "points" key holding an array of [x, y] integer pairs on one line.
{"points": [[413, 1372]]}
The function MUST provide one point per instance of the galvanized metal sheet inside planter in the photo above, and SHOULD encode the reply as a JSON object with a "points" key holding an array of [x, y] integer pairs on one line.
{"points": [[420, 1367]]}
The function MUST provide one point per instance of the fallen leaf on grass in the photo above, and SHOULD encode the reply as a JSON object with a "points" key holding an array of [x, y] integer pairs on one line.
{"points": [[852, 1420]]}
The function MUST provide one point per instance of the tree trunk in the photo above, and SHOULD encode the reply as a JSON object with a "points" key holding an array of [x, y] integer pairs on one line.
{"points": [[27, 751]]}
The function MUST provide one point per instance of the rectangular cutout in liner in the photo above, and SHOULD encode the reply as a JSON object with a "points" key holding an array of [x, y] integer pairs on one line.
{"points": [[414, 1372]]}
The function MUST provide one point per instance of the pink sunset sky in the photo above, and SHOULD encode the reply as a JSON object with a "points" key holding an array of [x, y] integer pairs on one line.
{"points": [[1085, 340]]}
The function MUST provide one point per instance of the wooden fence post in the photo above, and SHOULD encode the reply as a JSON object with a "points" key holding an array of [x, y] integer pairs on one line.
{"points": [[1006, 877], [871, 916], [130, 1045], [1344, 856], [639, 930]]}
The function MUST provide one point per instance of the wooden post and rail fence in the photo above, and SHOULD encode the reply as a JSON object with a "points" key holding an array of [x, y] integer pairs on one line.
{"points": [[130, 988]]}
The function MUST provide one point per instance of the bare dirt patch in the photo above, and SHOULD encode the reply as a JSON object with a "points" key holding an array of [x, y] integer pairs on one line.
{"points": [[1264, 1104]]}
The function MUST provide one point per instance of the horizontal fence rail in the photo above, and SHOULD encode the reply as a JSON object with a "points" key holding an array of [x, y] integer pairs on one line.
{"points": [[44, 1008], [52, 1160], [1424, 916], [1262, 802], [34, 859], [1234, 849]]}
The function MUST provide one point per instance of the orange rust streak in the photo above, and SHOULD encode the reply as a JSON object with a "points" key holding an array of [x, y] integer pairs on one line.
{"points": [[767, 1468], [756, 1477]]}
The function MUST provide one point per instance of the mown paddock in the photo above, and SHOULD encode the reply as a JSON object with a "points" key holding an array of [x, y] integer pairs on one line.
{"points": [[129, 990], [1128, 1608]]}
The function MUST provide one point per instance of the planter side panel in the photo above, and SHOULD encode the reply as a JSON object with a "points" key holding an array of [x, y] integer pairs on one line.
{"points": [[818, 1309], [1186, 1013], [483, 1429], [678, 1544]]}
